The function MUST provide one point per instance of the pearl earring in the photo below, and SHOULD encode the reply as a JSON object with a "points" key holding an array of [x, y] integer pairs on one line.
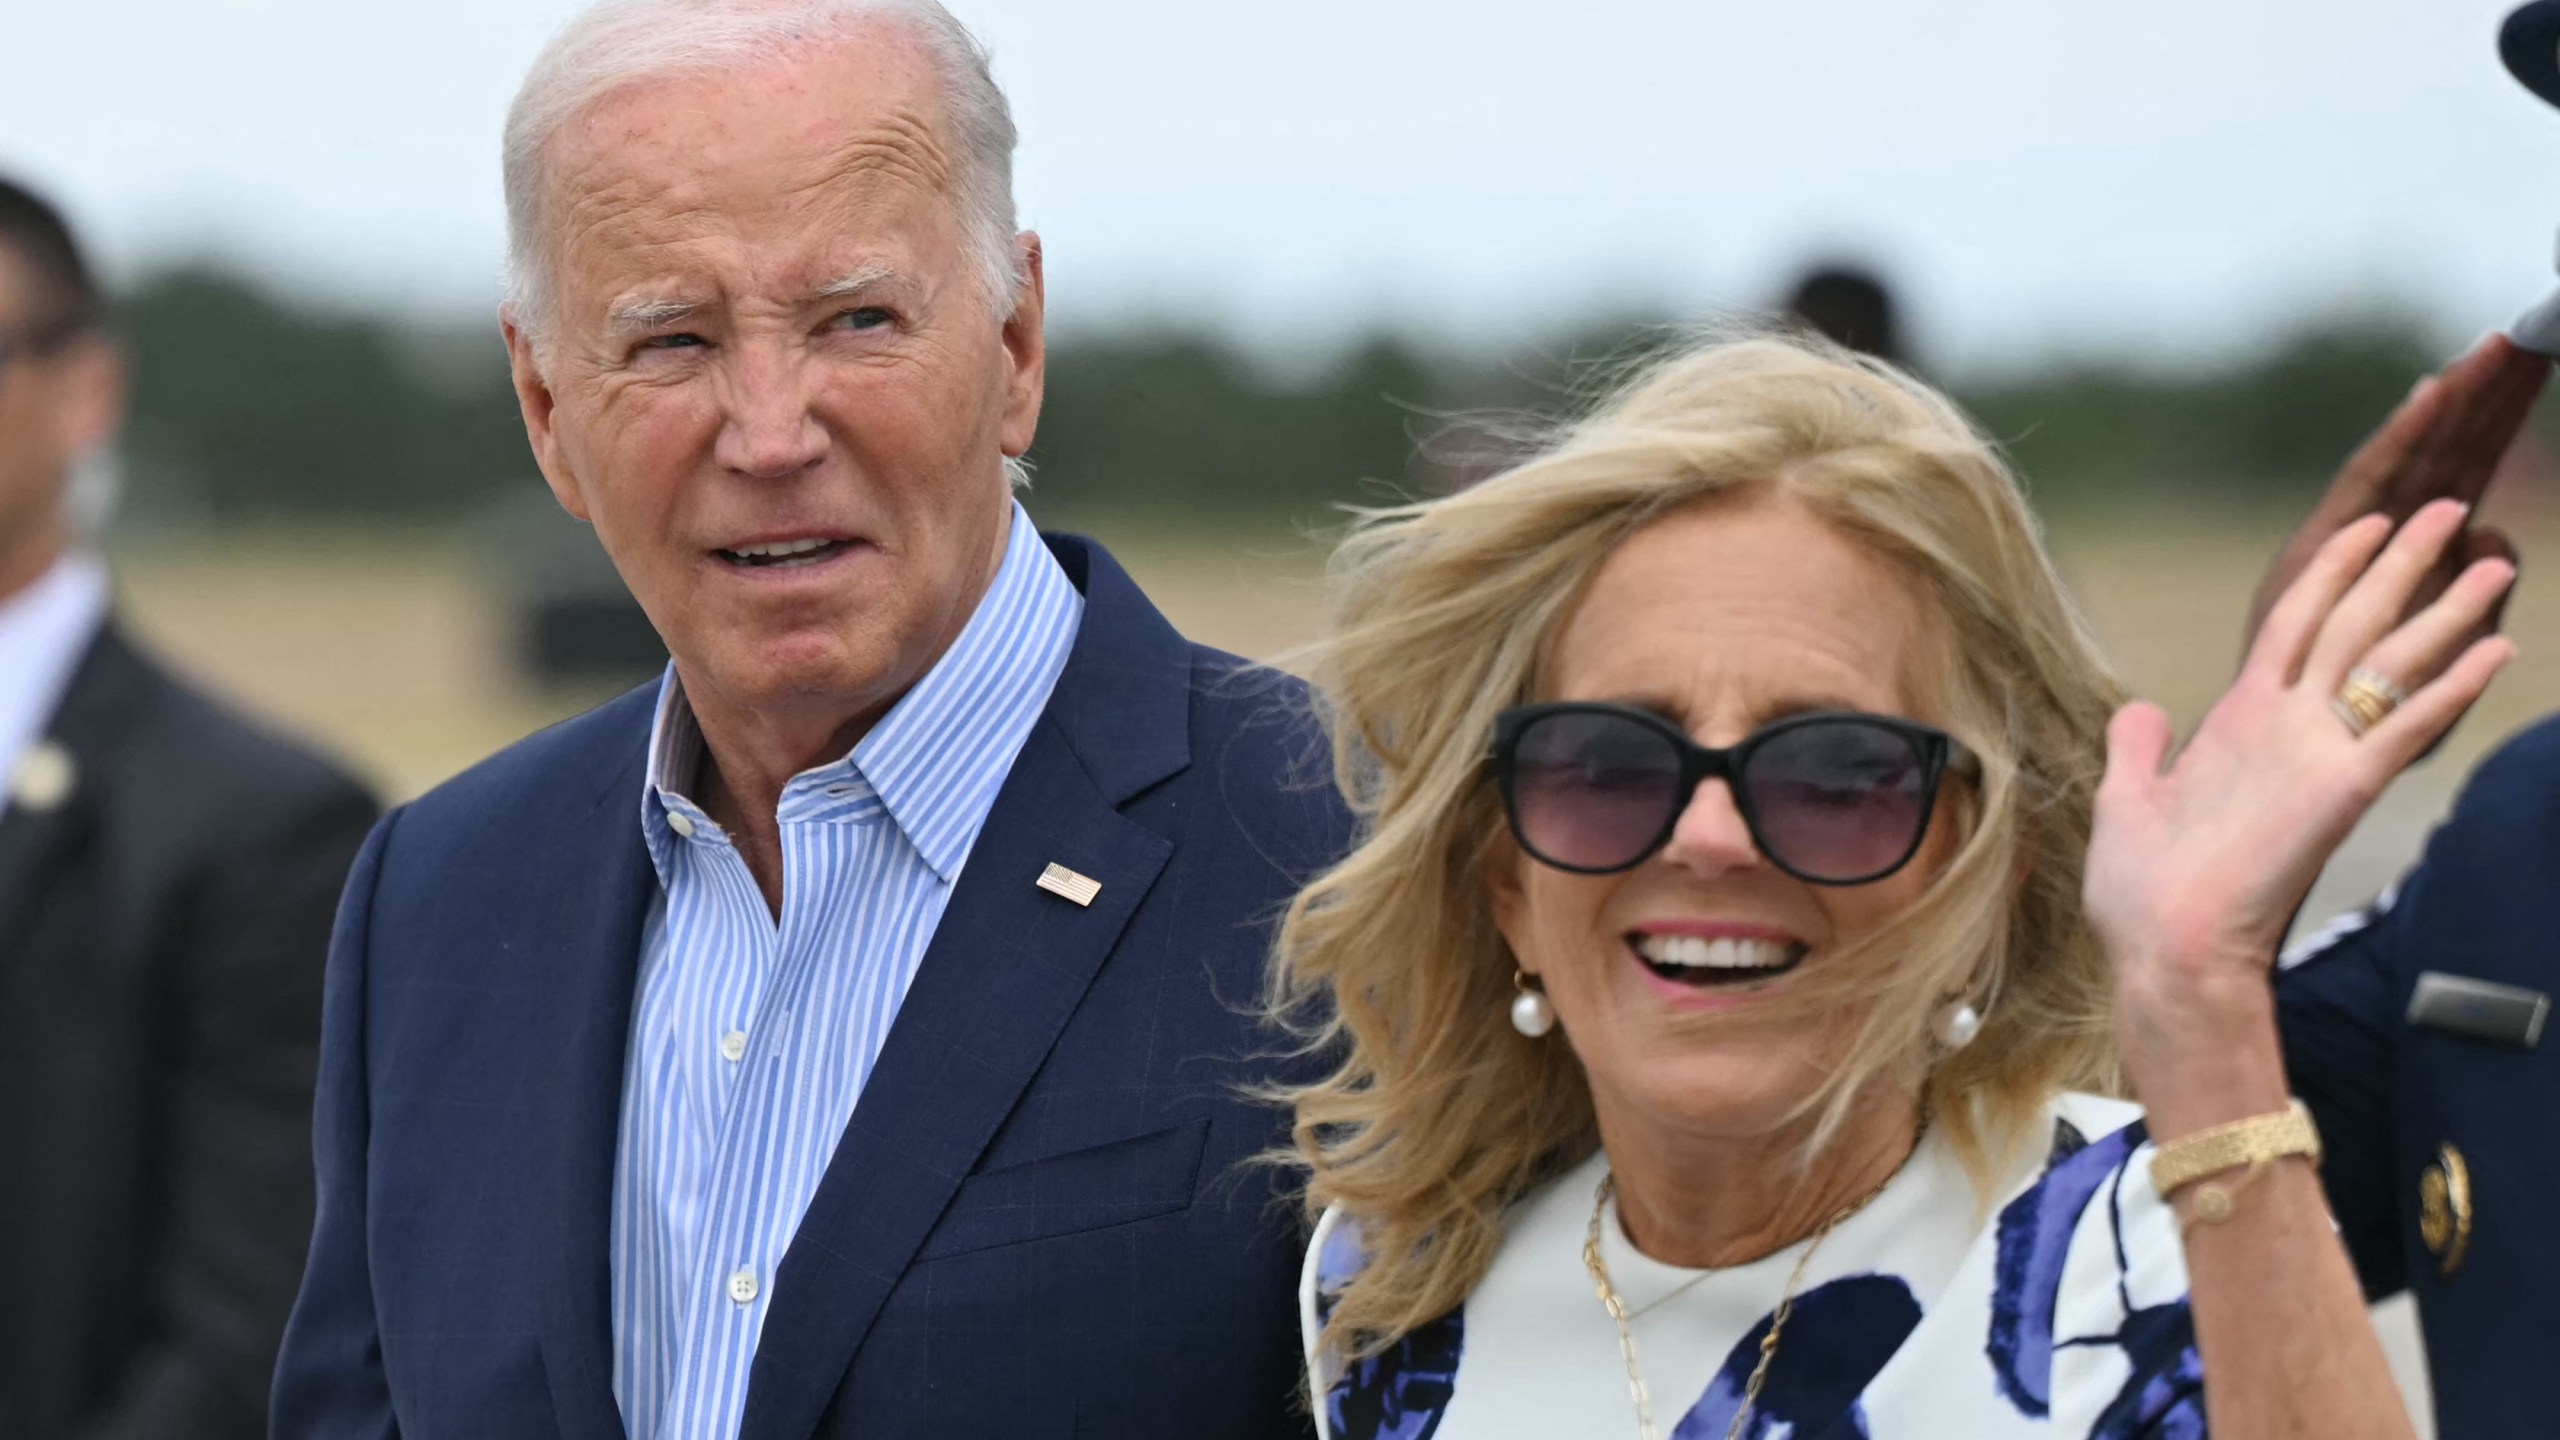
{"points": [[1955, 1024], [1531, 1013]]}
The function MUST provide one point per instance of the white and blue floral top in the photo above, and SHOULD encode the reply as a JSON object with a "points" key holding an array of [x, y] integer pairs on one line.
{"points": [[2060, 1312]]}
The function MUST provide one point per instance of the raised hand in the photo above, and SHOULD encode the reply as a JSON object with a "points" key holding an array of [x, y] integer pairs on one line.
{"points": [[2197, 865], [2443, 443]]}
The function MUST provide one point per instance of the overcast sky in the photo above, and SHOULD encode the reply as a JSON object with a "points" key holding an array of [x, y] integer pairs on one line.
{"points": [[2171, 176]]}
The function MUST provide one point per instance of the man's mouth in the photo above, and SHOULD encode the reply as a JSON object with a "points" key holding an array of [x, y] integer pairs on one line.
{"points": [[784, 554], [1704, 963]]}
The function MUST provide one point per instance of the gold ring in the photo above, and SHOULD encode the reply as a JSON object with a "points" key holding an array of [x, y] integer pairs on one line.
{"points": [[2391, 689], [2366, 698]]}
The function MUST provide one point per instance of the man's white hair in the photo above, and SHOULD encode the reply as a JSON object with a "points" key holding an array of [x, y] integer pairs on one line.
{"points": [[619, 42]]}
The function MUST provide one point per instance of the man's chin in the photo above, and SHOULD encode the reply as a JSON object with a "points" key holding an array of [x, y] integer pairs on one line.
{"points": [[819, 674]]}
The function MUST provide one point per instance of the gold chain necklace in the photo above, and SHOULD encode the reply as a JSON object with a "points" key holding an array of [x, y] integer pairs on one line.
{"points": [[1617, 1308]]}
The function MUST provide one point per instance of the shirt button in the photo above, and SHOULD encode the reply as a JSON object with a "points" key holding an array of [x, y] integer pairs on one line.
{"points": [[742, 1286], [680, 823], [733, 1046]]}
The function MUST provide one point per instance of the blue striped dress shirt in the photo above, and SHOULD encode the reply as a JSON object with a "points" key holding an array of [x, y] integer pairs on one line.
{"points": [[751, 1039]]}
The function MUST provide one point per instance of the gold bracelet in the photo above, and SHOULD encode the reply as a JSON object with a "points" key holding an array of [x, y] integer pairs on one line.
{"points": [[2256, 1143]]}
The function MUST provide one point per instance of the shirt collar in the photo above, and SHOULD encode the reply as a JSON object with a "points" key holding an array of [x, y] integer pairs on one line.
{"points": [[675, 762], [937, 758]]}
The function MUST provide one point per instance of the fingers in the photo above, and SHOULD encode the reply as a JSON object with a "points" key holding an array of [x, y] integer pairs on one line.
{"points": [[2497, 392], [2399, 467], [2411, 656], [2384, 470], [2485, 399], [2138, 740], [2284, 640], [2487, 542], [2408, 731], [2373, 604]]}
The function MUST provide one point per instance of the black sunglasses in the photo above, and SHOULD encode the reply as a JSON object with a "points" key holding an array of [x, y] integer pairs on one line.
{"points": [[1832, 798]]}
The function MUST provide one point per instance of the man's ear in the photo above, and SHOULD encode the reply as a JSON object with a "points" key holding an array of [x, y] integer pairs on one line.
{"points": [[93, 399], [1026, 349], [540, 410]]}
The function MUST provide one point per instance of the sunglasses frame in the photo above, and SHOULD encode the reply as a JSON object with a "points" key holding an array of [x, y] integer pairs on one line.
{"points": [[1938, 753]]}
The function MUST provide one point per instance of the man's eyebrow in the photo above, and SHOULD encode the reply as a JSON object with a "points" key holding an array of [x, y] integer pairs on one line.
{"points": [[642, 315], [639, 317], [854, 282]]}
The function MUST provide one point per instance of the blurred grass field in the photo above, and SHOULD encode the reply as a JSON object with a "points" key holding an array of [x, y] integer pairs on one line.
{"points": [[392, 649]]}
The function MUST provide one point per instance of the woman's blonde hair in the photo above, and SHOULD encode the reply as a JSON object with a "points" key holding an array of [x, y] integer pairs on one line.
{"points": [[1439, 1115]]}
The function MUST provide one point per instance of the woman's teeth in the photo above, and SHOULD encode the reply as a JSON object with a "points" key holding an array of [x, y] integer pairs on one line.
{"points": [[1696, 959]]}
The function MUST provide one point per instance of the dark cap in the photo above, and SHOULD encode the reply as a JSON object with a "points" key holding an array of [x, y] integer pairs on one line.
{"points": [[2530, 44]]}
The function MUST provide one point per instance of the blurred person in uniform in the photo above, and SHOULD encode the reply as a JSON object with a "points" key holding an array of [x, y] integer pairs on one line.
{"points": [[2415, 1029], [167, 877], [1852, 306]]}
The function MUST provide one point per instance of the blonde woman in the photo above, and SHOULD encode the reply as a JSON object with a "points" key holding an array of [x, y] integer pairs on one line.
{"points": [[1724, 1024]]}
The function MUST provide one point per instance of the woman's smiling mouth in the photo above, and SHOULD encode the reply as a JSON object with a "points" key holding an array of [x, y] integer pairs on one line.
{"points": [[1709, 961]]}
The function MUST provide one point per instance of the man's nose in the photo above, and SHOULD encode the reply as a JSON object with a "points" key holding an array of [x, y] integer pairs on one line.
{"points": [[1711, 837], [769, 430]]}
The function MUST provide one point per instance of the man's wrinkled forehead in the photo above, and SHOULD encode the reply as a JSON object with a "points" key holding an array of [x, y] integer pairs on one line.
{"points": [[853, 135]]}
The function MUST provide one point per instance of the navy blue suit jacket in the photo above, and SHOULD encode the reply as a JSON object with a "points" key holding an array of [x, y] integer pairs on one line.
{"points": [[1039, 1221], [2484, 903]]}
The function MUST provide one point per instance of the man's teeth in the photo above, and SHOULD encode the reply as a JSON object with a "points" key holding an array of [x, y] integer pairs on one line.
{"points": [[784, 554], [1696, 952], [781, 549]]}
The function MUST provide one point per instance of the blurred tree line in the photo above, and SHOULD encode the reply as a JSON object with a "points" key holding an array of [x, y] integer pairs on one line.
{"points": [[248, 407]]}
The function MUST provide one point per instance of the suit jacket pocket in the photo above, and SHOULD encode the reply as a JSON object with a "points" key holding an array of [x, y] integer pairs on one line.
{"points": [[1114, 1183]]}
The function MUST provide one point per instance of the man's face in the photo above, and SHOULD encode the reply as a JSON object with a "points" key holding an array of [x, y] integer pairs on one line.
{"points": [[768, 331], [58, 401]]}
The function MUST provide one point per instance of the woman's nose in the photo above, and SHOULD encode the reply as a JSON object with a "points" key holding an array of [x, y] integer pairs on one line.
{"points": [[1711, 837]]}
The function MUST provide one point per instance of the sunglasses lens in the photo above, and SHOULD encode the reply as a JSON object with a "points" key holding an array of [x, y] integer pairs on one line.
{"points": [[1839, 800], [1592, 791]]}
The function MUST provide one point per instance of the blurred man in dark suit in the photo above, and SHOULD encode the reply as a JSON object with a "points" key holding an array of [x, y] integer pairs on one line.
{"points": [[167, 878]]}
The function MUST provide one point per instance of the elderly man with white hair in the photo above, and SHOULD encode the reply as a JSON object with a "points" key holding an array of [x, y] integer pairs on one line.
{"points": [[850, 1033]]}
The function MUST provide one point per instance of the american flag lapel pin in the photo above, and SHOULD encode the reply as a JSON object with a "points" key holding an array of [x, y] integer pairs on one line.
{"points": [[1060, 881]]}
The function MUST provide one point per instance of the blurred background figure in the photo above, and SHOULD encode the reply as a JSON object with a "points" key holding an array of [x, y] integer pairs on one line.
{"points": [[1853, 306], [167, 878]]}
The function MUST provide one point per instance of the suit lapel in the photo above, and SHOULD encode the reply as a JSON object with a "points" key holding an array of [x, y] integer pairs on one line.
{"points": [[1004, 972], [601, 900], [33, 848], [96, 709], [997, 986]]}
